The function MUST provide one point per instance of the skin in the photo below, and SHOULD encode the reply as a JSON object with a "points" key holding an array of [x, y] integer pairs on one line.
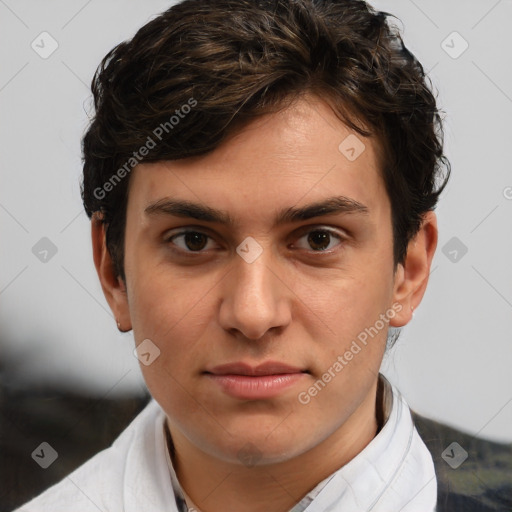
{"points": [[294, 304]]}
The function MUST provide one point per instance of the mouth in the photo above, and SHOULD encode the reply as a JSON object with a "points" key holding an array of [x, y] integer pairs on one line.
{"points": [[246, 382]]}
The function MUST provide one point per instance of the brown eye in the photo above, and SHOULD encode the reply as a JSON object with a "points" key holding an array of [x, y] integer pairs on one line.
{"points": [[319, 240], [195, 241], [189, 241]]}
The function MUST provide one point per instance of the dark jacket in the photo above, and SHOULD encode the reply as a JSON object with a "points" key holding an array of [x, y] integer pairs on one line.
{"points": [[482, 482]]}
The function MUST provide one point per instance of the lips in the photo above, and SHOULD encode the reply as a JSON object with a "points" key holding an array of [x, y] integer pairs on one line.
{"points": [[264, 381], [268, 368]]}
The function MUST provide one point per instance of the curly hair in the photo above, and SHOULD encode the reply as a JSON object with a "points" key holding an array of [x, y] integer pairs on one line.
{"points": [[201, 69]]}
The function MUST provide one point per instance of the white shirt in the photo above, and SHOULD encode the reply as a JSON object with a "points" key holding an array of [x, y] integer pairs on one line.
{"points": [[393, 473]]}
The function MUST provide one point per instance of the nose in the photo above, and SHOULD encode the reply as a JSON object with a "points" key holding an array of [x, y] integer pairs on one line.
{"points": [[254, 299]]}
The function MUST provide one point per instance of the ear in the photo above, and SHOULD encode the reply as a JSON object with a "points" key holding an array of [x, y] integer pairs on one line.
{"points": [[113, 286], [411, 278]]}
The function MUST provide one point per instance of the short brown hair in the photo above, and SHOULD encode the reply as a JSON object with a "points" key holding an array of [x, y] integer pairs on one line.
{"points": [[228, 61]]}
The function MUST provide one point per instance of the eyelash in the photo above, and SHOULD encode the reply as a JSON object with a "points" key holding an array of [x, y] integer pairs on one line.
{"points": [[332, 233]]}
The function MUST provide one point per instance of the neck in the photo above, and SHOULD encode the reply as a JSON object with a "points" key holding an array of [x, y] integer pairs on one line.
{"points": [[216, 486]]}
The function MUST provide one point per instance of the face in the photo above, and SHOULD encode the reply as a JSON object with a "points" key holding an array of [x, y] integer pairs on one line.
{"points": [[272, 255]]}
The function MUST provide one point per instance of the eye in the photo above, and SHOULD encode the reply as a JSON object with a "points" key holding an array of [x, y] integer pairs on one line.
{"points": [[320, 240], [317, 240], [190, 241]]}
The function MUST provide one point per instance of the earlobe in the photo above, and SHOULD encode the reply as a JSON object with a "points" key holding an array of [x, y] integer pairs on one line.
{"points": [[112, 285], [411, 278]]}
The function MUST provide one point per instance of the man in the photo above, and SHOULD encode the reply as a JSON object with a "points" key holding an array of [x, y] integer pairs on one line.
{"points": [[261, 179]]}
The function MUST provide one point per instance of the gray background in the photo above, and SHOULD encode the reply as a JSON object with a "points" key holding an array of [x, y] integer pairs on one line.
{"points": [[452, 362]]}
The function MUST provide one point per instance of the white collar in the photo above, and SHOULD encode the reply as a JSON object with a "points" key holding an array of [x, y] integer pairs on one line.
{"points": [[393, 472]]}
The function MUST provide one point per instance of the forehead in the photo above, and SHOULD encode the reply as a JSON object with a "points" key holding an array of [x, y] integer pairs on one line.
{"points": [[299, 155]]}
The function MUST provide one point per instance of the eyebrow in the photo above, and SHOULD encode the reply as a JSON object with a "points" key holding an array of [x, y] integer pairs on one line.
{"points": [[187, 209]]}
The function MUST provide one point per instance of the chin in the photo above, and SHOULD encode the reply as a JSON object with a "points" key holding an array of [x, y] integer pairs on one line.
{"points": [[260, 449]]}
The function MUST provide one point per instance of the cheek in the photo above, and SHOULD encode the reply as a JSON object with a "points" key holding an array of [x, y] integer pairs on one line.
{"points": [[173, 316], [158, 297], [347, 315], [178, 313], [348, 303], [175, 319], [350, 343]]}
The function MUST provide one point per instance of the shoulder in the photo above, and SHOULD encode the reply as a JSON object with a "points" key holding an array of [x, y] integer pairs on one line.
{"points": [[473, 474], [99, 482]]}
